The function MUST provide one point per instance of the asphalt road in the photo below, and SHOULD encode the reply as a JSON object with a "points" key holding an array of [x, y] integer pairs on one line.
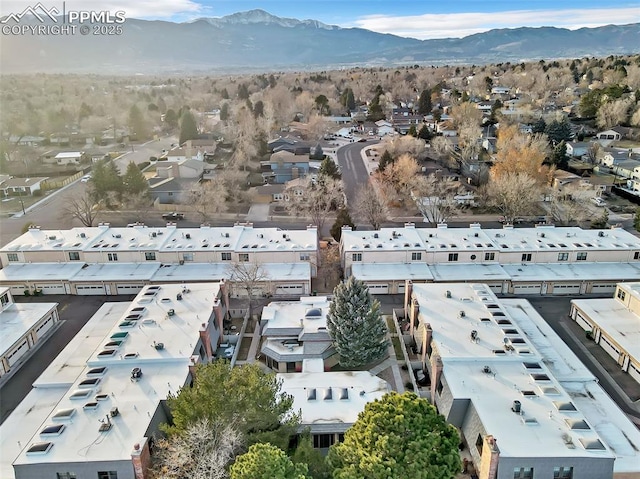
{"points": [[354, 173], [47, 213]]}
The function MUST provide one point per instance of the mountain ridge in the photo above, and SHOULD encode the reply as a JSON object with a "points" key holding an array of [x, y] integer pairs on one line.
{"points": [[259, 41]]}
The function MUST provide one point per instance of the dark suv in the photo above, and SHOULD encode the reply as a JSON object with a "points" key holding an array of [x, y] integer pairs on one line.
{"points": [[173, 216]]}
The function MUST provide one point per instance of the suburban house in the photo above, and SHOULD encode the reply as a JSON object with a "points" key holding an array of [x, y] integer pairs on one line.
{"points": [[329, 402], [403, 118], [296, 330], [485, 106], [446, 128], [23, 327], [69, 158], [544, 260], [111, 381], [290, 144], [190, 168], [284, 165], [186, 153], [269, 193], [384, 128], [614, 324], [106, 261], [562, 178], [339, 120], [577, 149], [500, 90], [21, 186], [524, 404], [27, 140], [616, 133], [171, 190]]}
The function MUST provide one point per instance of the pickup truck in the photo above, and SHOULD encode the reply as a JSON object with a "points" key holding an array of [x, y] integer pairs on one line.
{"points": [[173, 216]]}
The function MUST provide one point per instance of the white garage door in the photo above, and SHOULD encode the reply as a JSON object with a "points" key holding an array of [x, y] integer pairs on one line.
{"points": [[634, 372], [583, 323], [609, 348], [17, 289], [526, 288], [90, 290], [571, 288], [18, 353], [128, 288], [378, 288], [51, 288], [290, 289], [44, 327], [603, 288], [496, 288], [401, 288]]}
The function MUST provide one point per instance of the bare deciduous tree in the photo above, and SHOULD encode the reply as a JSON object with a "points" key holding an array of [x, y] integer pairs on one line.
{"points": [[514, 195], [209, 197], [519, 153], [369, 207], [81, 208], [400, 176], [567, 205], [613, 113], [315, 199], [436, 198], [203, 452], [248, 275], [594, 151]]}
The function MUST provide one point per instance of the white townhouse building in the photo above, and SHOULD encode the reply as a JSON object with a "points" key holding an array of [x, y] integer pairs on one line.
{"points": [[541, 260], [526, 407], [23, 326], [614, 324], [96, 408], [105, 261]]}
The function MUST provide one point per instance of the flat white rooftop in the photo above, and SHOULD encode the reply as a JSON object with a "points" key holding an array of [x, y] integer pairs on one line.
{"points": [[17, 319], [514, 355], [468, 272], [391, 271], [39, 271], [613, 317], [309, 314], [331, 397], [105, 380], [572, 271]]}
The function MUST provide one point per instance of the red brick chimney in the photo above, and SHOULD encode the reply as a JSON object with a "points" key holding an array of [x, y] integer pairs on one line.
{"points": [[205, 337], [489, 458], [141, 459]]}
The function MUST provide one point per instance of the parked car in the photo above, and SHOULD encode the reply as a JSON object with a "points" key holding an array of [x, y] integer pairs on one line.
{"points": [[173, 216], [86, 178], [598, 202]]}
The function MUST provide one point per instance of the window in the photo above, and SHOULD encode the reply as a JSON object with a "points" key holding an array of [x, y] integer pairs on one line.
{"points": [[523, 473], [416, 256], [150, 256], [323, 440], [479, 444], [356, 257], [305, 257], [636, 255], [187, 256], [226, 256], [113, 256], [107, 475], [453, 256], [621, 294], [12, 256], [66, 475], [581, 257], [563, 472], [526, 256], [489, 256], [74, 256], [244, 257], [563, 256], [4, 299]]}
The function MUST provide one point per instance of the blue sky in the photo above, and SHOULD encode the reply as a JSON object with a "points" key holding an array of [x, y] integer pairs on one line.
{"points": [[415, 18]]}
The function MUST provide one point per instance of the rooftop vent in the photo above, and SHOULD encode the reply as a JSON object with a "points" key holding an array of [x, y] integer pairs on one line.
{"points": [[568, 441], [344, 394], [517, 407], [486, 370], [136, 374], [529, 421], [447, 294], [474, 335], [114, 412], [313, 313], [311, 394], [327, 396], [528, 393]]}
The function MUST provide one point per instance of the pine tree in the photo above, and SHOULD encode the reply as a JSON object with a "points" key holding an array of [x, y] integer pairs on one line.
{"points": [[385, 160], [133, 180], [328, 167], [188, 127], [355, 324], [342, 219], [424, 103]]}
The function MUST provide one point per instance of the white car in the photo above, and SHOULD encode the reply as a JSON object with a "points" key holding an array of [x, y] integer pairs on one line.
{"points": [[85, 178], [598, 201]]}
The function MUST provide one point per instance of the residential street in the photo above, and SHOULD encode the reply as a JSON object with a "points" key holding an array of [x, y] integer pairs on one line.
{"points": [[354, 173]]}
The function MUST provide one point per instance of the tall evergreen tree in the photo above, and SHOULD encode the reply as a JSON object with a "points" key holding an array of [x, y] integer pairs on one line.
{"points": [[425, 133], [329, 168], [355, 324], [539, 126], [385, 160], [351, 101], [138, 124], [188, 127], [133, 181], [342, 219], [424, 103], [558, 131]]}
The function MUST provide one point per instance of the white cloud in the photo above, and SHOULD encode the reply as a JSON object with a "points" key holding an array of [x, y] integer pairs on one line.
{"points": [[456, 25], [150, 9]]}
